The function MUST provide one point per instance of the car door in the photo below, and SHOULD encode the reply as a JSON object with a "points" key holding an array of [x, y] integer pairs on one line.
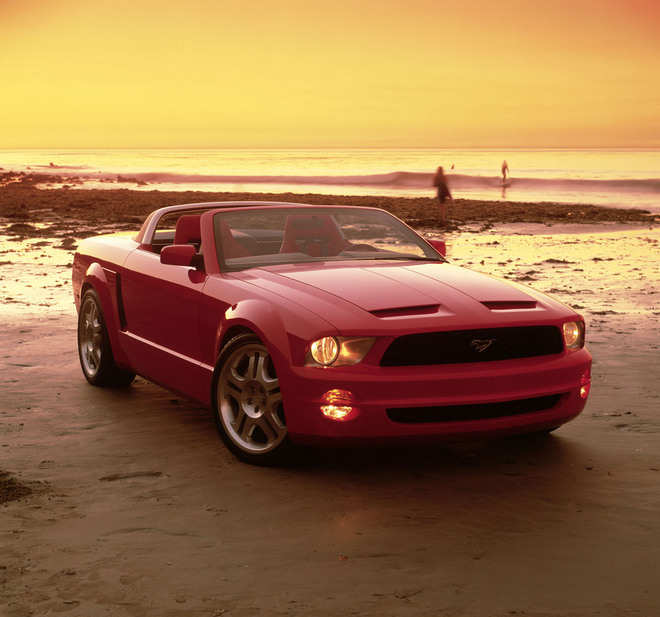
{"points": [[161, 321]]}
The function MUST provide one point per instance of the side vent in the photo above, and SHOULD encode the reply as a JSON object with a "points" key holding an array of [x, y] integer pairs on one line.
{"points": [[120, 304]]}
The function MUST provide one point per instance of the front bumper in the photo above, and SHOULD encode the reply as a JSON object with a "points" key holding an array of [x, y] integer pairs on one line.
{"points": [[562, 380]]}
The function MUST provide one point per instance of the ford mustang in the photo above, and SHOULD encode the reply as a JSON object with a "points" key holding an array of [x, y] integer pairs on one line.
{"points": [[323, 325]]}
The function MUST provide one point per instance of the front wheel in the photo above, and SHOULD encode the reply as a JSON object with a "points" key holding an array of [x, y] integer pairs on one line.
{"points": [[96, 359], [247, 402]]}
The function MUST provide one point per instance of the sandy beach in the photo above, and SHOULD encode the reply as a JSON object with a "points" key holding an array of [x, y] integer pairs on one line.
{"points": [[125, 503]]}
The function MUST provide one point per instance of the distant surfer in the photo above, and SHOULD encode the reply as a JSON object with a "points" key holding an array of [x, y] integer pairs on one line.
{"points": [[505, 171], [440, 182]]}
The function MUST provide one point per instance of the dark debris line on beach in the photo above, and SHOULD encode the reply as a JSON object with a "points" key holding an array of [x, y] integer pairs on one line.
{"points": [[11, 489], [24, 205]]}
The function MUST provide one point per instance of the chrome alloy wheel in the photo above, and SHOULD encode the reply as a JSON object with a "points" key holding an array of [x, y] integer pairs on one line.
{"points": [[96, 358], [90, 337], [248, 399]]}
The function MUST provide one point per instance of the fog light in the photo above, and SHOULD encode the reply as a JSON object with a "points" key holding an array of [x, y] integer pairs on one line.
{"points": [[337, 404], [585, 384]]}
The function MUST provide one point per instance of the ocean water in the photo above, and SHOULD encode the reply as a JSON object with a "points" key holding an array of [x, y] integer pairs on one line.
{"points": [[618, 177]]}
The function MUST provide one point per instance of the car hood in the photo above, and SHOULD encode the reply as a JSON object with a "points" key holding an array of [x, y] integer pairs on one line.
{"points": [[392, 289]]}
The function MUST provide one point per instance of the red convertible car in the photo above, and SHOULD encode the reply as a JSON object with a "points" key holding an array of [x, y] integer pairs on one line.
{"points": [[300, 324]]}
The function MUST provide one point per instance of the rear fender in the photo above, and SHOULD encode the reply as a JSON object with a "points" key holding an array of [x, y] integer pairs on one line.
{"points": [[106, 285]]}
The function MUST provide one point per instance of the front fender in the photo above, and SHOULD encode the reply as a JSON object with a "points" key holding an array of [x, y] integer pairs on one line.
{"points": [[275, 327], [225, 311]]}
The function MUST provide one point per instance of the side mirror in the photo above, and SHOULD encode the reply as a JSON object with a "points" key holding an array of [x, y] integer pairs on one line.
{"points": [[440, 246], [178, 255]]}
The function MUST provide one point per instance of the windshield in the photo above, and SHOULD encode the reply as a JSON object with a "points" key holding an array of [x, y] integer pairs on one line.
{"points": [[261, 237]]}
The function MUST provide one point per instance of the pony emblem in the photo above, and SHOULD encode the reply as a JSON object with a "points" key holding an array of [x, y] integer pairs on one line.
{"points": [[480, 345]]}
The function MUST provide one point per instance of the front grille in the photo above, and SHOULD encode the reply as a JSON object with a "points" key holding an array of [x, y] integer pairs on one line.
{"points": [[481, 411], [478, 345]]}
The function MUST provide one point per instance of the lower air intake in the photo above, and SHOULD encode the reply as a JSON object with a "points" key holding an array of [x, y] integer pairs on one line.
{"points": [[461, 413]]}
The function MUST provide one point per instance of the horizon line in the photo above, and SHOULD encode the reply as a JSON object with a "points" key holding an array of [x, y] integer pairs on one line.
{"points": [[430, 148]]}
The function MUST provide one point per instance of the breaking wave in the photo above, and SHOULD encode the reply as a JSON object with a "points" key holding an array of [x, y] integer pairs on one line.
{"points": [[601, 178], [407, 180]]}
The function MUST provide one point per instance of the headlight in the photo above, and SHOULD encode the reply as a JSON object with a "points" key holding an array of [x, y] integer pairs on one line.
{"points": [[573, 332], [339, 350], [325, 350]]}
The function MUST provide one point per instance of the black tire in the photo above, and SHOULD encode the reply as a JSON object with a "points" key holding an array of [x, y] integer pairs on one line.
{"points": [[94, 350], [247, 403]]}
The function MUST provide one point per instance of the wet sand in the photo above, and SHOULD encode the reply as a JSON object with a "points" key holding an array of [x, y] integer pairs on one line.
{"points": [[124, 502]]}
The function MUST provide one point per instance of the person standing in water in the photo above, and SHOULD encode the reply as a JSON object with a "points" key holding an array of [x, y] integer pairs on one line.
{"points": [[440, 182], [505, 171]]}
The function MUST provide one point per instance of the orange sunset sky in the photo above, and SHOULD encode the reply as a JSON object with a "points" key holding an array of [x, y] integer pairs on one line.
{"points": [[336, 73]]}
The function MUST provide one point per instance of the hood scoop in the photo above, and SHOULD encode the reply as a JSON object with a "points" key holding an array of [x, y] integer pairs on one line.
{"points": [[510, 305], [406, 311]]}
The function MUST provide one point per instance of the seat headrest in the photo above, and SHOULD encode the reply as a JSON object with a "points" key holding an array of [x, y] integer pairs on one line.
{"points": [[188, 230]]}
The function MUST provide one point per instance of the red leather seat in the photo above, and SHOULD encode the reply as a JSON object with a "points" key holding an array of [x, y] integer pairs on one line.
{"points": [[316, 235], [188, 230], [230, 246]]}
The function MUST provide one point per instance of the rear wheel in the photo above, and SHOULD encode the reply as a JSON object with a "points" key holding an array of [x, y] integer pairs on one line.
{"points": [[247, 402], [96, 359]]}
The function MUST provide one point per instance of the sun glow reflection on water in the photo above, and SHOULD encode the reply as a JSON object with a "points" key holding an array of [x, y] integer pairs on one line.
{"points": [[600, 271], [35, 274]]}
